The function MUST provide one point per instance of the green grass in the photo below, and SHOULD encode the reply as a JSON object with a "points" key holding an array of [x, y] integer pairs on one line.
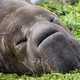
{"points": [[68, 14], [53, 76]]}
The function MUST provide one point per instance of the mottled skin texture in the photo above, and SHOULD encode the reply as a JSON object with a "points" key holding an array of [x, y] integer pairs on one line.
{"points": [[33, 41]]}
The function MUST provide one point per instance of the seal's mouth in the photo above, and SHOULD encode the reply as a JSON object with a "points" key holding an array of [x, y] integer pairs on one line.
{"points": [[45, 36], [40, 31]]}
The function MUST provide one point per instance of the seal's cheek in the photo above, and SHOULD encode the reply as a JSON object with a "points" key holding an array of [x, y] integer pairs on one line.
{"points": [[60, 54]]}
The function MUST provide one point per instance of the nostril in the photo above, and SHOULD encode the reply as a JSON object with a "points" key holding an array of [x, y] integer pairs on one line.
{"points": [[52, 20], [44, 36]]}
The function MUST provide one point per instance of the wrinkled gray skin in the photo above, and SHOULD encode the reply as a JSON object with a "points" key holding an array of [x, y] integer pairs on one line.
{"points": [[32, 40]]}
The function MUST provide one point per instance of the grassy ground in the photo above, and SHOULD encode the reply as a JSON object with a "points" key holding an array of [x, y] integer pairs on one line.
{"points": [[53, 76]]}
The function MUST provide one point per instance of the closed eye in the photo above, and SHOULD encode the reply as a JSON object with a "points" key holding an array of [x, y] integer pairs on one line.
{"points": [[21, 41]]}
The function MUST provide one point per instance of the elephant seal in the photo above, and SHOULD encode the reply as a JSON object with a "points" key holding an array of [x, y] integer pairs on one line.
{"points": [[32, 41]]}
